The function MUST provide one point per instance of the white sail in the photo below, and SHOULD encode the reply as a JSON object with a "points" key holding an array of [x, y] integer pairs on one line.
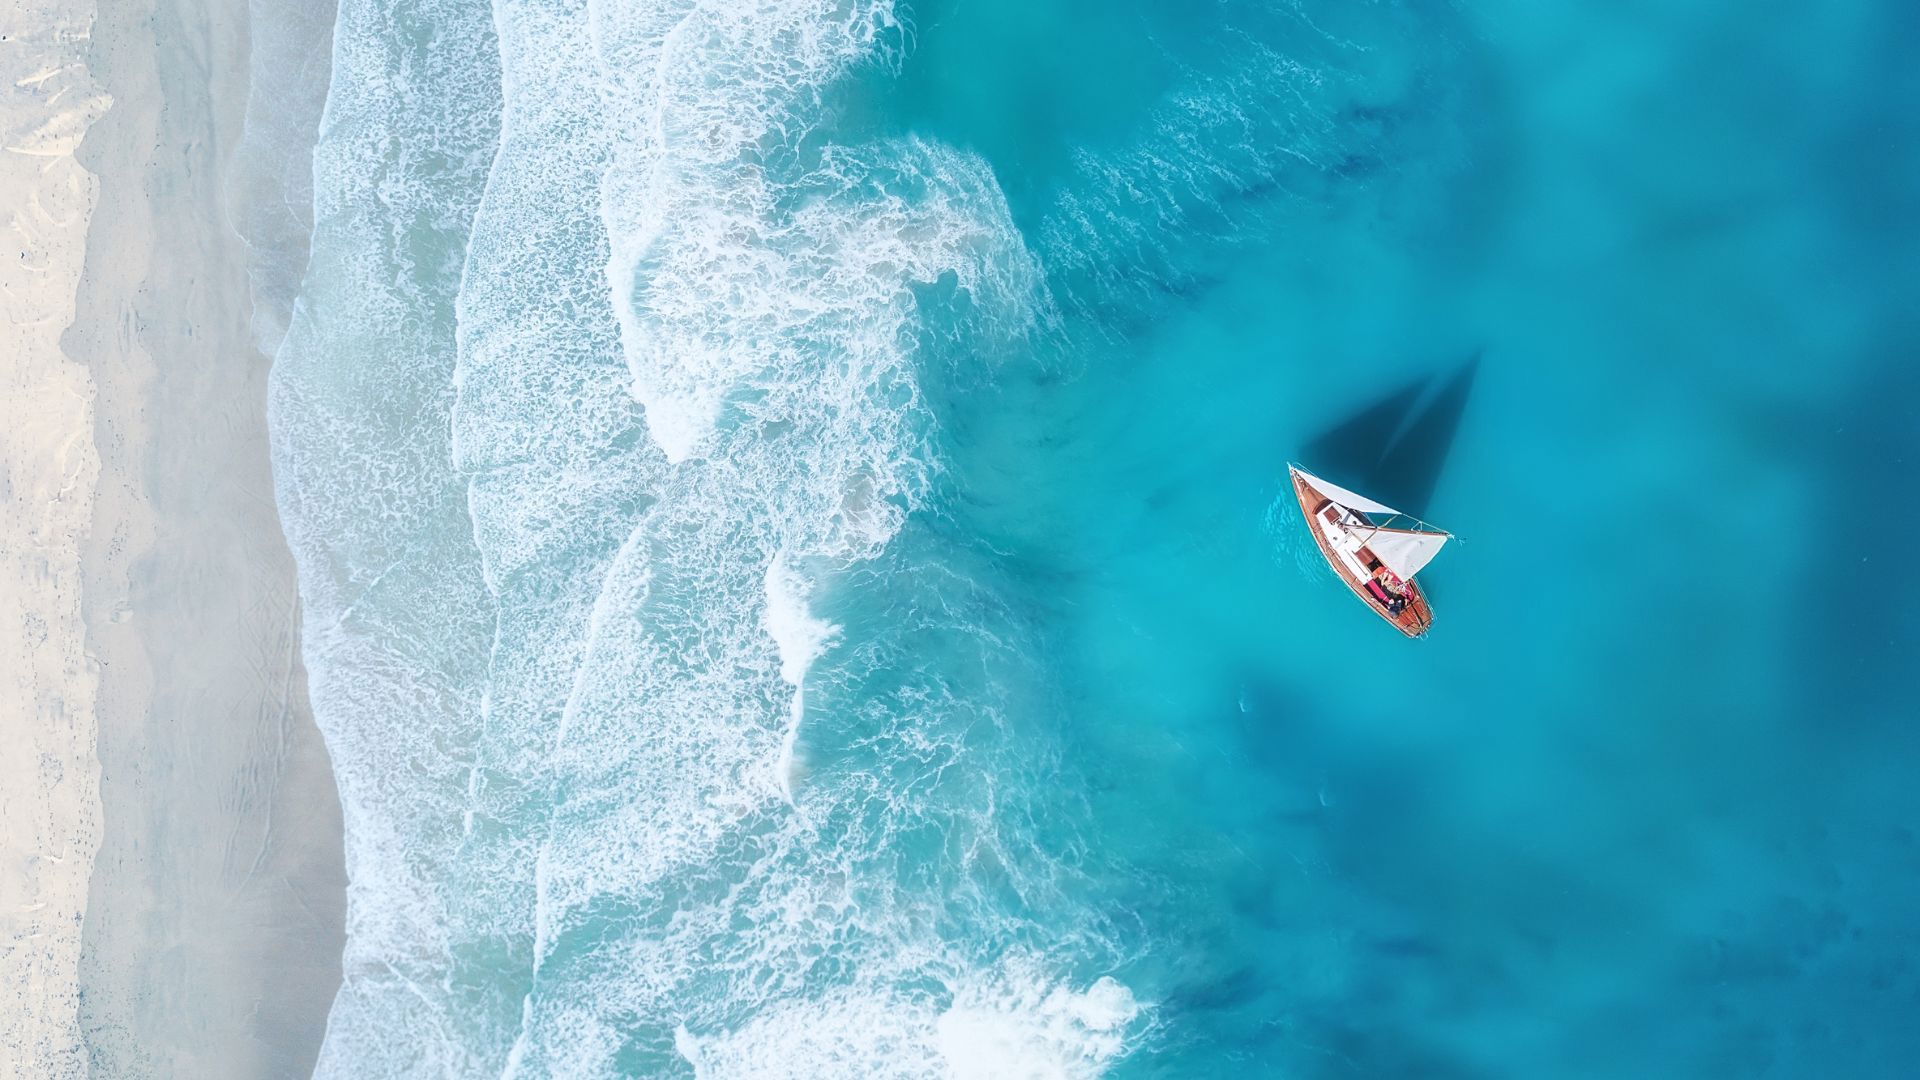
{"points": [[1352, 500], [1404, 551]]}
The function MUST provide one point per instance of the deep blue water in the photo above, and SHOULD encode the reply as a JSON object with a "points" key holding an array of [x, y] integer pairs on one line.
{"points": [[1635, 808], [800, 578]]}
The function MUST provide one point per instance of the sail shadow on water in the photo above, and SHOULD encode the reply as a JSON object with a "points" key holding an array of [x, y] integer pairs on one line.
{"points": [[1396, 446]]}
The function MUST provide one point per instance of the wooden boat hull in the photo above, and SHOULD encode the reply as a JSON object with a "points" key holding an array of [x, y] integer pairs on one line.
{"points": [[1414, 620]]}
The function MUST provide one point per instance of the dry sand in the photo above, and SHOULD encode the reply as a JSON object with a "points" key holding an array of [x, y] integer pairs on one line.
{"points": [[49, 790], [154, 707]]}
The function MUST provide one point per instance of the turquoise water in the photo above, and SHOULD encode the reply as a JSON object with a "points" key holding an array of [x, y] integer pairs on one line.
{"points": [[799, 578]]}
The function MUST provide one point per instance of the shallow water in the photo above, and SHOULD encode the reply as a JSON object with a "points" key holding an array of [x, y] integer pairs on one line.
{"points": [[800, 580]]}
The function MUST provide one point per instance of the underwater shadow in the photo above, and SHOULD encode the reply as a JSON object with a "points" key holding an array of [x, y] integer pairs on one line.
{"points": [[1395, 448]]}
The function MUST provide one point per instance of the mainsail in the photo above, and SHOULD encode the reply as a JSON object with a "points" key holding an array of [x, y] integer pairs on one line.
{"points": [[1352, 500], [1404, 551]]}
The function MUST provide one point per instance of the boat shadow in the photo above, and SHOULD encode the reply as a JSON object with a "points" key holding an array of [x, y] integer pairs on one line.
{"points": [[1395, 448]]}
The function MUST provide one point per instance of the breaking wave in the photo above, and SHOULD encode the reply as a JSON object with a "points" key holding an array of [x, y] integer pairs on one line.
{"points": [[667, 742]]}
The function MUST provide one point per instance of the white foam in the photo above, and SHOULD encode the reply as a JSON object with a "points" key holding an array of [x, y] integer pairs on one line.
{"points": [[800, 639], [796, 633], [688, 1048], [1026, 1029], [1008, 1022]]}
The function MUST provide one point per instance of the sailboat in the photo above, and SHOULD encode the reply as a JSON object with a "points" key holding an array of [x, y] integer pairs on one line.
{"points": [[1377, 561]]}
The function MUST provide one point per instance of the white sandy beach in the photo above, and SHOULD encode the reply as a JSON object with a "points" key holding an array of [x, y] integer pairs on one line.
{"points": [[171, 883], [49, 776]]}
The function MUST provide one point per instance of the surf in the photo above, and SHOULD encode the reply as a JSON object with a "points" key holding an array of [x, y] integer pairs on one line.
{"points": [[600, 422]]}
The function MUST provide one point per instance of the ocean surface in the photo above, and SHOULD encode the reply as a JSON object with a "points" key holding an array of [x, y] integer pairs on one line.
{"points": [[799, 577]]}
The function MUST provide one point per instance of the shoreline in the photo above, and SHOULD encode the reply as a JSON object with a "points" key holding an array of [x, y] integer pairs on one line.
{"points": [[214, 916]]}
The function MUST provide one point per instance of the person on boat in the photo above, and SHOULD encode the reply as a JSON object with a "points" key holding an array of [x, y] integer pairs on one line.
{"points": [[1390, 590]]}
